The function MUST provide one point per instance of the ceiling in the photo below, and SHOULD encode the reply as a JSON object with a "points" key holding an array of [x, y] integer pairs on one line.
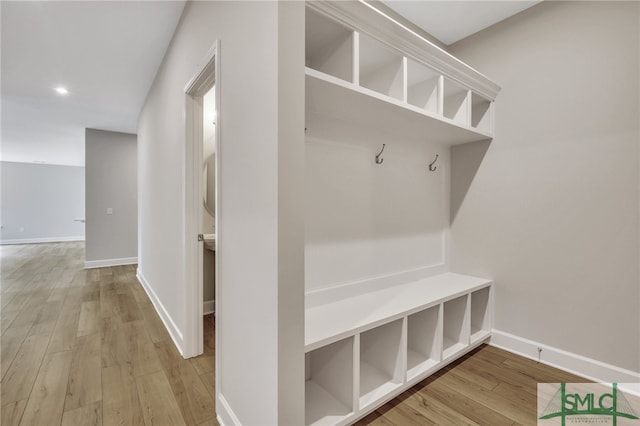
{"points": [[106, 53], [451, 21]]}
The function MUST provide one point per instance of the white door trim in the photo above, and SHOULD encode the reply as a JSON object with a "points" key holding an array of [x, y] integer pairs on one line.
{"points": [[202, 81]]}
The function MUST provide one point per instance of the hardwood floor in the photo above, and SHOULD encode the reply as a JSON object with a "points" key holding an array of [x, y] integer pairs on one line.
{"points": [[86, 347], [488, 386]]}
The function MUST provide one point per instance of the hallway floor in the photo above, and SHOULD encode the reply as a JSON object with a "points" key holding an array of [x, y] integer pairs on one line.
{"points": [[86, 347]]}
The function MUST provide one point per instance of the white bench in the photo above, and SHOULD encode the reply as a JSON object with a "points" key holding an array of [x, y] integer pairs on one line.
{"points": [[364, 350]]}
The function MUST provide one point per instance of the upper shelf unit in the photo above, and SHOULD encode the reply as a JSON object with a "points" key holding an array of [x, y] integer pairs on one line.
{"points": [[404, 85]]}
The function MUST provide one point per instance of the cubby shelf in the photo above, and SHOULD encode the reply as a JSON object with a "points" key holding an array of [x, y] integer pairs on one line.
{"points": [[424, 87], [356, 78], [423, 341], [328, 46], [366, 74], [329, 383], [380, 362], [455, 326], [345, 101], [388, 339], [480, 314], [381, 69]]}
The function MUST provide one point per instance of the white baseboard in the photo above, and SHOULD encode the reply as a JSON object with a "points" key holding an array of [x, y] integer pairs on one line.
{"points": [[573, 363], [168, 322], [224, 413], [40, 240], [209, 307], [89, 264]]}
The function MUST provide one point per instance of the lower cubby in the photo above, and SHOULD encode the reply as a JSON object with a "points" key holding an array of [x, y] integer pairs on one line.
{"points": [[329, 383], [480, 314], [381, 366], [423, 341], [455, 335]]}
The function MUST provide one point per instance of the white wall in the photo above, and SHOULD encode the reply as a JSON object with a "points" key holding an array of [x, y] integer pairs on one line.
{"points": [[111, 176], [366, 220], [260, 234], [40, 202], [552, 211]]}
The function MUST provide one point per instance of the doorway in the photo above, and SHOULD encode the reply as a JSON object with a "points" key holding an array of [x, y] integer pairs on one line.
{"points": [[201, 185]]}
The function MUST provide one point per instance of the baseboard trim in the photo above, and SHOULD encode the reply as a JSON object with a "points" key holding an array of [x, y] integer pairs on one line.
{"points": [[573, 363], [168, 322], [40, 240], [209, 307], [89, 264], [224, 413]]}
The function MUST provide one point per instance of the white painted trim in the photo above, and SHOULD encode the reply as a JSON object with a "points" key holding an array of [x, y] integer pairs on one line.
{"points": [[224, 413], [573, 363], [168, 322], [209, 307], [40, 240], [218, 220], [89, 264]]}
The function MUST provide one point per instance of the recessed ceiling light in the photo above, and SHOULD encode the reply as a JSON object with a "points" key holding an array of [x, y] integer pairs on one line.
{"points": [[61, 90]]}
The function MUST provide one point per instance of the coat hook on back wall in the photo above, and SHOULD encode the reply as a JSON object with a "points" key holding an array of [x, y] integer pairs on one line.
{"points": [[378, 159], [432, 167]]}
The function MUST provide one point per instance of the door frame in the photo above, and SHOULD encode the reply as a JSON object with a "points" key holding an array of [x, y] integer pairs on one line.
{"points": [[207, 74]]}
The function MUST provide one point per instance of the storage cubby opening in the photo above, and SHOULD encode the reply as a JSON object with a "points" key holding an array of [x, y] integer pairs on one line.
{"points": [[423, 87], [481, 113], [381, 367], [329, 383], [480, 312], [456, 102], [455, 330], [328, 46], [423, 343], [381, 69]]}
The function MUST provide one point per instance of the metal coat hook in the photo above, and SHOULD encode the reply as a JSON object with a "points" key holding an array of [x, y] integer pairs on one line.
{"points": [[378, 159], [433, 168]]}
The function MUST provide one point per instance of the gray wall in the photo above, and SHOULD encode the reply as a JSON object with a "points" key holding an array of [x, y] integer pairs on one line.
{"points": [[40, 202], [111, 176], [552, 211]]}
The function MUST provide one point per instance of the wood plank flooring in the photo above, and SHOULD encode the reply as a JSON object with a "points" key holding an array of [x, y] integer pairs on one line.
{"points": [[86, 347], [488, 386]]}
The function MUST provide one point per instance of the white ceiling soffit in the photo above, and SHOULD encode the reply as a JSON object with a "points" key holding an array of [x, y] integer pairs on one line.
{"points": [[106, 53], [451, 21]]}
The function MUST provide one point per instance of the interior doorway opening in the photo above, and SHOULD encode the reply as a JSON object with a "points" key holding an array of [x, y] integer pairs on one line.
{"points": [[209, 199], [202, 183]]}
